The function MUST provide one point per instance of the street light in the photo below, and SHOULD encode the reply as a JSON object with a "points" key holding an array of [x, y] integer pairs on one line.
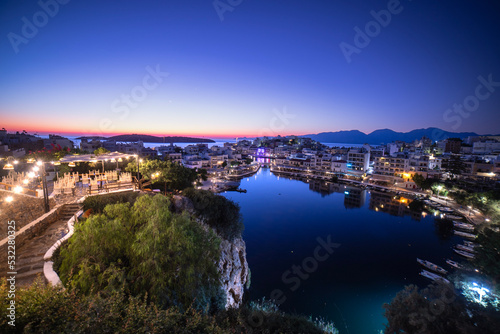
{"points": [[44, 185], [18, 189]]}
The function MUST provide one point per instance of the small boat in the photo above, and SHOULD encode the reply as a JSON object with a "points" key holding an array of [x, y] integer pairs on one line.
{"points": [[454, 217], [446, 210], [434, 277], [464, 226], [470, 243], [466, 248], [432, 266], [463, 253], [465, 235], [454, 264]]}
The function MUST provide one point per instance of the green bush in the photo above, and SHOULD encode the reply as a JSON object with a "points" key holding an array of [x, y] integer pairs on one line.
{"points": [[98, 202], [45, 309], [217, 212], [144, 248]]}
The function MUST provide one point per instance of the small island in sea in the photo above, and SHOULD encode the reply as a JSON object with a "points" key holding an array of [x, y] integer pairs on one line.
{"points": [[151, 139]]}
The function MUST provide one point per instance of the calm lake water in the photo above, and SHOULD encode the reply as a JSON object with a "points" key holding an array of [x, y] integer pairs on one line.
{"points": [[376, 256]]}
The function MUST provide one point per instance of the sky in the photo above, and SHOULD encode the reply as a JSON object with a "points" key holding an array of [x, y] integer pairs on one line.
{"points": [[244, 68]]}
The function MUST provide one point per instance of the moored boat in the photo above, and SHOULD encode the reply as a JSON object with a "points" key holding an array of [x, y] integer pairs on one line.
{"points": [[454, 217], [464, 226], [465, 235], [463, 253], [466, 248], [470, 243], [434, 277], [454, 264], [432, 266]]}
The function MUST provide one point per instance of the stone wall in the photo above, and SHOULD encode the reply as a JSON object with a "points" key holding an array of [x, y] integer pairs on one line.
{"points": [[23, 210], [32, 229]]}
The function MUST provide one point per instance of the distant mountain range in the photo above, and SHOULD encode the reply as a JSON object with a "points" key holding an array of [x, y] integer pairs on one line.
{"points": [[152, 139], [385, 136]]}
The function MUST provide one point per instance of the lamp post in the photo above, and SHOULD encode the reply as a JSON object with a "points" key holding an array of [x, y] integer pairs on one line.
{"points": [[46, 205], [138, 172], [41, 164]]}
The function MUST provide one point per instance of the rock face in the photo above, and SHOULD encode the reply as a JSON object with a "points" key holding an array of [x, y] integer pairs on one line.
{"points": [[233, 268], [233, 265], [181, 203]]}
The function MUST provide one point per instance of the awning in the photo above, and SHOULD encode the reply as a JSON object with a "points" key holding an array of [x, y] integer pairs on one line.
{"points": [[96, 158]]}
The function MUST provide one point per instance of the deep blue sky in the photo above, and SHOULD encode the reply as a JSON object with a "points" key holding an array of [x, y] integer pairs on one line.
{"points": [[231, 77]]}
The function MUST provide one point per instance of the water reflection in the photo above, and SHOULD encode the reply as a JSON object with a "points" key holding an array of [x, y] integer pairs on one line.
{"points": [[393, 205], [354, 198]]}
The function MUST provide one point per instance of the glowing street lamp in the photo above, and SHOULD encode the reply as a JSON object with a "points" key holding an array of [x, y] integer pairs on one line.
{"points": [[8, 167], [9, 199]]}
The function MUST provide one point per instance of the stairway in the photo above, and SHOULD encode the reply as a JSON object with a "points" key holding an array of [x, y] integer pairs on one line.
{"points": [[29, 262]]}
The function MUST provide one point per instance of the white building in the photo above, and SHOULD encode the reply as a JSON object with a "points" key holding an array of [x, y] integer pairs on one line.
{"points": [[358, 160], [487, 147]]}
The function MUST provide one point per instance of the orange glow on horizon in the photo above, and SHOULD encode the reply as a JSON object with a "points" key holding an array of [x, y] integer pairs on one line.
{"points": [[45, 130]]}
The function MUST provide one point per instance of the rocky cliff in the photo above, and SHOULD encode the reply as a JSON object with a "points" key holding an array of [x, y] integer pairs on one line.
{"points": [[233, 265]]}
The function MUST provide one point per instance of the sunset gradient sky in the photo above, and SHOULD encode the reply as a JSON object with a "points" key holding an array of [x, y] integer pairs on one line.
{"points": [[231, 77]]}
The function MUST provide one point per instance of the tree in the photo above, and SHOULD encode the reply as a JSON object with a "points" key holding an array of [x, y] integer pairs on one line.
{"points": [[439, 189], [435, 309], [144, 249], [454, 165], [418, 179], [101, 151], [217, 212], [224, 164], [166, 174], [488, 255]]}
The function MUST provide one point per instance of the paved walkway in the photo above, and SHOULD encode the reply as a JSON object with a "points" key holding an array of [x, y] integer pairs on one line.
{"points": [[474, 216], [29, 257]]}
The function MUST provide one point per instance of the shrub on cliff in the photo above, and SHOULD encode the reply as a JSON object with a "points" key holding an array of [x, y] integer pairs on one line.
{"points": [[144, 248], [217, 211], [98, 203]]}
